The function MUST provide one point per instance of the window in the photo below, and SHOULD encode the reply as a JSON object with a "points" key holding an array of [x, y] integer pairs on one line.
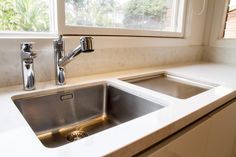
{"points": [[25, 16], [93, 17], [124, 15], [230, 24]]}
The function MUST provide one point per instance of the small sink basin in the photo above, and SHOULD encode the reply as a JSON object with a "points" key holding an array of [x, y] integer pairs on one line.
{"points": [[171, 85], [63, 117]]}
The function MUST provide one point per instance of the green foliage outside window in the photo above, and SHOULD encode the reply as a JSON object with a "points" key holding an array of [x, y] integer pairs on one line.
{"points": [[33, 15], [140, 11], [134, 13], [89, 12], [24, 15]]}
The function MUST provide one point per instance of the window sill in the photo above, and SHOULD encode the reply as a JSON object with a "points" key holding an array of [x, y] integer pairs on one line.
{"points": [[26, 35]]}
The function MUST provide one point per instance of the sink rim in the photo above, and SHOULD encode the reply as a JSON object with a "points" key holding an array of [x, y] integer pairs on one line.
{"points": [[204, 85], [185, 80], [57, 89]]}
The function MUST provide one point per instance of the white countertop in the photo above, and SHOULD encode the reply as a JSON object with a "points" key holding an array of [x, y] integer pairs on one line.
{"points": [[18, 139]]}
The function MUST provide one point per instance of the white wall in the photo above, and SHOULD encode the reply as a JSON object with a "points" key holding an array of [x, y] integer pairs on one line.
{"points": [[112, 53]]}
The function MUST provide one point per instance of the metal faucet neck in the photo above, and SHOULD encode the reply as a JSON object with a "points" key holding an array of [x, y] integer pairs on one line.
{"points": [[86, 45]]}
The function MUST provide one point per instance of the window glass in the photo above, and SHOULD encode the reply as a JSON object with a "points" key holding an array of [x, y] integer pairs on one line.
{"points": [[160, 15], [25, 16], [230, 25]]}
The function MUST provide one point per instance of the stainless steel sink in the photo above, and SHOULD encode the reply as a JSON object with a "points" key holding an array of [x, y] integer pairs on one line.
{"points": [[171, 85], [63, 117]]}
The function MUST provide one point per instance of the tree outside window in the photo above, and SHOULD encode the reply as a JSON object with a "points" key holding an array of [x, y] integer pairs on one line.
{"points": [[140, 14], [24, 15]]}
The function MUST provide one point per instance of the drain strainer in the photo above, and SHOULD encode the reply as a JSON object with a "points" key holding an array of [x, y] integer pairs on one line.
{"points": [[76, 135]]}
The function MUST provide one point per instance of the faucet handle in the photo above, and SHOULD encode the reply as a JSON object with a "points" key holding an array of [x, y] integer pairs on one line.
{"points": [[27, 46], [58, 44], [26, 50], [60, 37], [29, 55]]}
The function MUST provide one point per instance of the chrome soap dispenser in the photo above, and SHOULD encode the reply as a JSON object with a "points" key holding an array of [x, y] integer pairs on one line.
{"points": [[27, 61]]}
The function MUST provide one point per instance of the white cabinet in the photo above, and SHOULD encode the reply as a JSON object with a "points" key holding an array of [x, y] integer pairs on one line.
{"points": [[222, 137], [212, 136]]}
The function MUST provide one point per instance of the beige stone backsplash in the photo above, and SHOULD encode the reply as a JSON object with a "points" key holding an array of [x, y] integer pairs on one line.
{"points": [[220, 55], [101, 61]]}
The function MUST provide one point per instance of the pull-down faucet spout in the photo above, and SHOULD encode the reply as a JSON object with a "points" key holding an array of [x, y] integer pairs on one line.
{"points": [[86, 46]]}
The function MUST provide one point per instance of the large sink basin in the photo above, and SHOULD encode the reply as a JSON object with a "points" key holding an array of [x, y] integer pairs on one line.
{"points": [[63, 117], [171, 85]]}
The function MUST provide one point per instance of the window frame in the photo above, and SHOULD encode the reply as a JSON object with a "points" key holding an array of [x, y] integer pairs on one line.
{"points": [[224, 21], [216, 38], [223, 25], [95, 31], [58, 26]]}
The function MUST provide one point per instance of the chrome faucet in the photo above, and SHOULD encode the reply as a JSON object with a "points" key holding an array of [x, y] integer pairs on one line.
{"points": [[60, 59], [27, 61]]}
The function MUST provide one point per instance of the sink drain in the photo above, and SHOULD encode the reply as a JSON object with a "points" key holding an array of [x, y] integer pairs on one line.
{"points": [[76, 135]]}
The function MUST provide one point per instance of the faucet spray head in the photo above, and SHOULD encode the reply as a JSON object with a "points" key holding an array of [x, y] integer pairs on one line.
{"points": [[86, 44]]}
